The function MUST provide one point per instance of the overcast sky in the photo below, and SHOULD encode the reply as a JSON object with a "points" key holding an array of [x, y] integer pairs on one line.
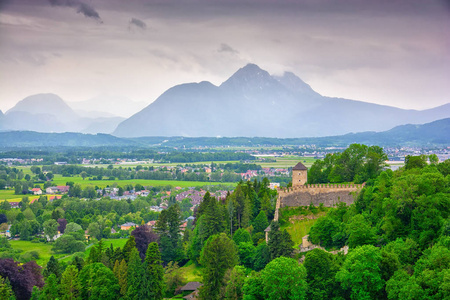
{"points": [[388, 52]]}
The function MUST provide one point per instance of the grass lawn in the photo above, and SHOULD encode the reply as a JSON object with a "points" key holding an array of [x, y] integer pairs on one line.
{"points": [[299, 229], [9, 195], [191, 272], [44, 250], [59, 180], [288, 161]]}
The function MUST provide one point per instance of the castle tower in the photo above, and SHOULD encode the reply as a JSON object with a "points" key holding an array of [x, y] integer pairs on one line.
{"points": [[299, 174]]}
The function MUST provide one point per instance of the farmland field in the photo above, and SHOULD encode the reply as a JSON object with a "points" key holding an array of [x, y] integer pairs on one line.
{"points": [[44, 250], [9, 195], [59, 180]]}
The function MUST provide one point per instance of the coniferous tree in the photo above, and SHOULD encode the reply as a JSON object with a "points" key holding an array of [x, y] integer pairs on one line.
{"points": [[280, 242], [120, 271], [129, 246], [6, 291], [70, 287], [218, 256], [52, 267], [51, 289], [136, 277], [155, 271]]}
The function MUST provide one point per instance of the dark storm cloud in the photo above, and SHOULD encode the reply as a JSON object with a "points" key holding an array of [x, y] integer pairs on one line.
{"points": [[81, 7], [139, 23], [227, 48]]}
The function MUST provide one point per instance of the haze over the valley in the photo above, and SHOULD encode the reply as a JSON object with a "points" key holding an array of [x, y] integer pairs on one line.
{"points": [[394, 53]]}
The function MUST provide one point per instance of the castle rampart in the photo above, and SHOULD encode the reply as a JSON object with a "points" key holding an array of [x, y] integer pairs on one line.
{"points": [[327, 194]]}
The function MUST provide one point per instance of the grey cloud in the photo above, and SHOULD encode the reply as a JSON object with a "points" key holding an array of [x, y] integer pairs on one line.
{"points": [[227, 48], [138, 23], [81, 7]]}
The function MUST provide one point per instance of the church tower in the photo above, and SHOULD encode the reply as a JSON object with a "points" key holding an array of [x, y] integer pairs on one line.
{"points": [[299, 174]]}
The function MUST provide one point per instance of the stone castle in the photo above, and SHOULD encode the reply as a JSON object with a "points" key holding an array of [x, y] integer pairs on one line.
{"points": [[302, 194]]}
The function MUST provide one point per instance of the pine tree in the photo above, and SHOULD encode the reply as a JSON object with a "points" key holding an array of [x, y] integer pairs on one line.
{"points": [[155, 271], [129, 246], [120, 271], [50, 291], [69, 283], [136, 277], [6, 291], [52, 267]]}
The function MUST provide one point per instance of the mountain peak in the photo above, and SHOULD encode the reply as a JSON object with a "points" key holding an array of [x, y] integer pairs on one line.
{"points": [[295, 84], [249, 75]]}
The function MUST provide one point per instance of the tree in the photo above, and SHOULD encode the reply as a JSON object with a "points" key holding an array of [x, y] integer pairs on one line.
{"points": [[72, 227], [260, 223], [52, 267], [62, 225], [280, 242], [173, 277], [94, 230], [321, 270], [412, 162], [22, 277], [168, 227], [234, 287], [154, 271], [136, 277], [128, 247], [143, 236], [83, 175], [69, 283], [50, 229], [284, 278], [361, 273], [261, 257], [6, 291], [98, 282], [241, 236], [121, 271], [51, 290], [218, 255], [246, 254], [360, 232], [68, 244]]}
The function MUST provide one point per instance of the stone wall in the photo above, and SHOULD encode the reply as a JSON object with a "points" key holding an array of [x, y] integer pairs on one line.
{"points": [[328, 194]]}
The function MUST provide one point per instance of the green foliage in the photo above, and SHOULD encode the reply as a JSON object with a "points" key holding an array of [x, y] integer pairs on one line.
{"points": [[246, 254], [234, 286], [321, 268], [51, 288], [261, 257], [284, 279], [218, 255], [6, 291], [136, 277], [360, 232], [154, 272], [98, 282], [70, 286], [357, 163], [280, 242], [52, 267], [361, 273], [50, 229], [260, 223], [68, 244], [241, 236], [121, 271]]}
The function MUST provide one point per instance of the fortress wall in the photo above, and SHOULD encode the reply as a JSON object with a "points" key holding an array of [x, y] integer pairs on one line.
{"points": [[329, 195]]}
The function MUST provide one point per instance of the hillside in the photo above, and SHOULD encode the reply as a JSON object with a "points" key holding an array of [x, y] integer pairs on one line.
{"points": [[434, 133], [254, 103], [67, 139]]}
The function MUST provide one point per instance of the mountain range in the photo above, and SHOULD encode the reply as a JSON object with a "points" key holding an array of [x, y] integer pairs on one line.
{"points": [[430, 134], [254, 103], [50, 113], [250, 103]]}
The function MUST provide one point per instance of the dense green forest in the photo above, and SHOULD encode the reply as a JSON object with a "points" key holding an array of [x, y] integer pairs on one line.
{"points": [[397, 231]]}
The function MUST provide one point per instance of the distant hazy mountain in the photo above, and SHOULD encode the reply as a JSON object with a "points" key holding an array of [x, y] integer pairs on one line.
{"points": [[434, 133], [109, 105], [254, 103], [49, 113], [68, 139]]}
